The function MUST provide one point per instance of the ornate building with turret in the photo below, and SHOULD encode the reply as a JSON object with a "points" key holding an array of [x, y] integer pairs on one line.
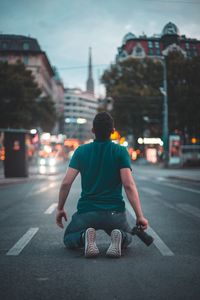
{"points": [[155, 46]]}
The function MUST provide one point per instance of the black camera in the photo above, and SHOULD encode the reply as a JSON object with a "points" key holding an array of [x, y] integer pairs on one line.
{"points": [[146, 238]]}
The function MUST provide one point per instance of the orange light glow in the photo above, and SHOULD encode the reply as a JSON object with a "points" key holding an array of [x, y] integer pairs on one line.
{"points": [[193, 140], [115, 135], [134, 155], [71, 143]]}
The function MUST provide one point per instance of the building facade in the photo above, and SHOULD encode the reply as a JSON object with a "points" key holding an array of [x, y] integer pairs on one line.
{"points": [[14, 48], [157, 45], [79, 111]]}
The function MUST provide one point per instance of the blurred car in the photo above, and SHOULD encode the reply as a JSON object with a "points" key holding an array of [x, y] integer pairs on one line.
{"points": [[47, 161]]}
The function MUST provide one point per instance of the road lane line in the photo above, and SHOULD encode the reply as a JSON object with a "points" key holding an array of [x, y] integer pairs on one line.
{"points": [[140, 177], [158, 242], [150, 191], [23, 241], [189, 209], [43, 189], [181, 188], [51, 208]]}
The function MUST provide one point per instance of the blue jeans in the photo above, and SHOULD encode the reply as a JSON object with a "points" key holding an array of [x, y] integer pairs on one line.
{"points": [[105, 220]]}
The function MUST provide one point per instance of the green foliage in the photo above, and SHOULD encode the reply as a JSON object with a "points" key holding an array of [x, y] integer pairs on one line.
{"points": [[134, 86], [184, 93], [20, 103]]}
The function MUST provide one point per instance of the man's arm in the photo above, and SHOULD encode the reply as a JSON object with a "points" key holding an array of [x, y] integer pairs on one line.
{"points": [[63, 193], [132, 195]]}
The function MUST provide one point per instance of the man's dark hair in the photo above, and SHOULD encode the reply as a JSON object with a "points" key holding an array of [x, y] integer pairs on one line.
{"points": [[103, 125]]}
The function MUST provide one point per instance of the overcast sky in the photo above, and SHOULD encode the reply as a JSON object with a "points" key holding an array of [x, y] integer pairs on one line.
{"points": [[65, 29]]}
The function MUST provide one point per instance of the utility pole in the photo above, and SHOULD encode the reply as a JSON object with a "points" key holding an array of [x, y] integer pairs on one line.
{"points": [[165, 114]]}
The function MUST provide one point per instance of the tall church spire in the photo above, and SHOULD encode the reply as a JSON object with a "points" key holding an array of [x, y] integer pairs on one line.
{"points": [[90, 81]]}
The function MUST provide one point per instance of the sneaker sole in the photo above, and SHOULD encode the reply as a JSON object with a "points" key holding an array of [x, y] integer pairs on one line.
{"points": [[91, 249], [114, 249]]}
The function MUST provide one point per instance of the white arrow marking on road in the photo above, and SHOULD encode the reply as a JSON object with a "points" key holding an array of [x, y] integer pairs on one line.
{"points": [[182, 188], [150, 191], [162, 247], [51, 208], [189, 209], [21, 244]]}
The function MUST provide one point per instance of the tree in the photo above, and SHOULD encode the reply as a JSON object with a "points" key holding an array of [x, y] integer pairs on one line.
{"points": [[21, 104], [134, 86], [184, 94]]}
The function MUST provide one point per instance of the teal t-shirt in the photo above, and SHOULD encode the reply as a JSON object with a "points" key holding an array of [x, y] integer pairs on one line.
{"points": [[99, 164]]}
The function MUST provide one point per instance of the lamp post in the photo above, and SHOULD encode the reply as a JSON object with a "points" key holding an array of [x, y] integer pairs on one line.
{"points": [[165, 113]]}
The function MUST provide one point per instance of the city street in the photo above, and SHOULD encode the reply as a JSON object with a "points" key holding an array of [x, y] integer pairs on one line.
{"points": [[34, 263]]}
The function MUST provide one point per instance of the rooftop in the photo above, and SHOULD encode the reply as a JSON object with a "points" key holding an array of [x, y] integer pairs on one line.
{"points": [[12, 42]]}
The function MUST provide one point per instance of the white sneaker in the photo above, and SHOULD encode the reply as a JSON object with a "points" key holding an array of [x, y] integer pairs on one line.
{"points": [[114, 249], [91, 249]]}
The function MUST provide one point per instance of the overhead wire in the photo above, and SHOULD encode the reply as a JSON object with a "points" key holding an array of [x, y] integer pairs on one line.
{"points": [[175, 1]]}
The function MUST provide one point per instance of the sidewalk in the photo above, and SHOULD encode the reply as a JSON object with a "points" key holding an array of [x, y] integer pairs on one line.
{"points": [[33, 174], [186, 174]]}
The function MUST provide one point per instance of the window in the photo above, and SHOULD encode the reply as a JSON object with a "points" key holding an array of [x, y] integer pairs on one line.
{"points": [[138, 51], [157, 45], [25, 46], [150, 44], [4, 46], [150, 51], [4, 58], [157, 51], [187, 45], [25, 59]]}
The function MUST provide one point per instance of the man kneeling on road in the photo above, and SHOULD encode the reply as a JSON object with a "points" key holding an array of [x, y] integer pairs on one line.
{"points": [[104, 167]]}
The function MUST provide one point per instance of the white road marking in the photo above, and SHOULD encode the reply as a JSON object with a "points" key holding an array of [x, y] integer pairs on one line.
{"points": [[158, 242], [162, 247], [150, 191], [43, 189], [182, 188], [189, 209], [160, 178], [51, 208], [23, 241], [141, 177]]}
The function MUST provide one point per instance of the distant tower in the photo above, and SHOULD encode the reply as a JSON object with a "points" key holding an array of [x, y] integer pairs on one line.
{"points": [[90, 81]]}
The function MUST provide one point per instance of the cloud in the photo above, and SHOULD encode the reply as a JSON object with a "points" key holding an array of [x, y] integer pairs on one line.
{"points": [[65, 29]]}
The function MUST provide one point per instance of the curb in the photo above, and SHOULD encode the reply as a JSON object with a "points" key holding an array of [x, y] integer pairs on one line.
{"points": [[183, 179], [14, 181]]}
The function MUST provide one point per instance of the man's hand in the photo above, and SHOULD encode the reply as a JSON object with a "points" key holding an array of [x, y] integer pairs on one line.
{"points": [[142, 222], [60, 214]]}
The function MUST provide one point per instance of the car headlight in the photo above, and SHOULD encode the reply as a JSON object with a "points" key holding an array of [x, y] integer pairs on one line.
{"points": [[42, 162], [52, 162]]}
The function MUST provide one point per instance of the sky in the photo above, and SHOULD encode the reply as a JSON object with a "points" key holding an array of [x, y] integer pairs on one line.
{"points": [[65, 29]]}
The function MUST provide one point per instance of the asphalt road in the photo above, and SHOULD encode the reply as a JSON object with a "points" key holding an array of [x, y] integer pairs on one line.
{"points": [[34, 263]]}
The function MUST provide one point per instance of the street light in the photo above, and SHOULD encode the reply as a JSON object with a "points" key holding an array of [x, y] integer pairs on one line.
{"points": [[165, 113], [75, 122]]}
